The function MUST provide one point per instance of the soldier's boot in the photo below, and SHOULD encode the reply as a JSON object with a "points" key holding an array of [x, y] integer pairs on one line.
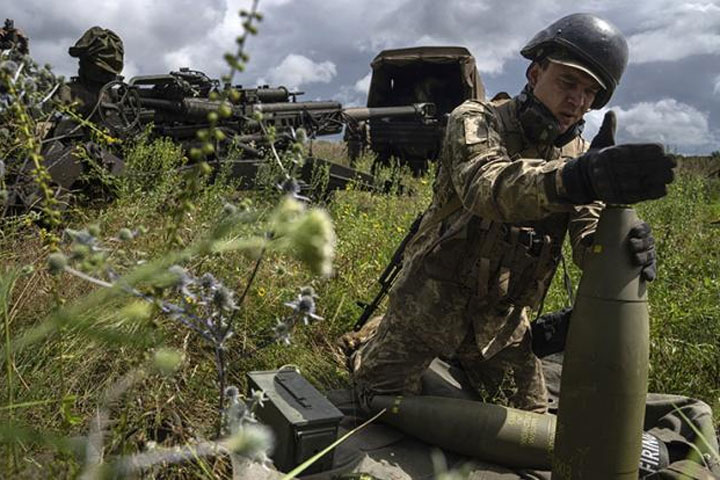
{"points": [[350, 342]]}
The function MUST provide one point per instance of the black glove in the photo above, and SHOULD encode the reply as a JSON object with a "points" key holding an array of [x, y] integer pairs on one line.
{"points": [[641, 244], [606, 135], [621, 174], [549, 332]]}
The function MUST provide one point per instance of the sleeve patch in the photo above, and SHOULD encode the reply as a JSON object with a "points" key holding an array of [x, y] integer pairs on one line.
{"points": [[475, 130]]}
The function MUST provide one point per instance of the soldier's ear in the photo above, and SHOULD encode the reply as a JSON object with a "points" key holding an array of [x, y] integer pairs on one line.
{"points": [[532, 73]]}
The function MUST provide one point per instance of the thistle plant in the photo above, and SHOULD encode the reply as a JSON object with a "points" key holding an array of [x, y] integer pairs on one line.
{"points": [[303, 312], [4, 194], [212, 136], [204, 304], [25, 91], [174, 286]]}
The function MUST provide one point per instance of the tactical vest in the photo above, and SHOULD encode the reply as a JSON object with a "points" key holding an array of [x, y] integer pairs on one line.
{"points": [[502, 263]]}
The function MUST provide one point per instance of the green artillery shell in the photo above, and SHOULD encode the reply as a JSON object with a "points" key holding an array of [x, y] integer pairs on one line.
{"points": [[488, 432], [604, 379]]}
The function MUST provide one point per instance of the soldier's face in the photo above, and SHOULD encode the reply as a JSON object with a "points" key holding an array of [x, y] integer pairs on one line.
{"points": [[566, 91]]}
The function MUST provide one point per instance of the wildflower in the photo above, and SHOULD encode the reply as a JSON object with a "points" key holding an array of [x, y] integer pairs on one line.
{"points": [[182, 280], [232, 393], [125, 234], [29, 85], [286, 212], [258, 397], [223, 298], [292, 189], [136, 311], [258, 441], [313, 238], [282, 332], [57, 263], [78, 251], [82, 237], [229, 209], [94, 230], [208, 281], [236, 413], [8, 67], [253, 441], [304, 307], [310, 291], [167, 360]]}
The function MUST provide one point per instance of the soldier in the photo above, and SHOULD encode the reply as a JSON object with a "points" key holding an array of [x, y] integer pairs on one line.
{"points": [[11, 37], [67, 146], [100, 52], [514, 176]]}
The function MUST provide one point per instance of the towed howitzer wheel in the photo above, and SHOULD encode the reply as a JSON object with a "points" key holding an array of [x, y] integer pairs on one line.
{"points": [[120, 107]]}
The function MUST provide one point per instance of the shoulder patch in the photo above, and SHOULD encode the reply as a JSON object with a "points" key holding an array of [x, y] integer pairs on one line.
{"points": [[469, 106], [476, 130]]}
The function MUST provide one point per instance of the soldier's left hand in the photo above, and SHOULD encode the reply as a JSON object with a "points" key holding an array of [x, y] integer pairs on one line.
{"points": [[641, 244]]}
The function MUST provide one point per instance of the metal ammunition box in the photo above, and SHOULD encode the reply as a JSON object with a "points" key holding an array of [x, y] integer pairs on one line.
{"points": [[303, 420]]}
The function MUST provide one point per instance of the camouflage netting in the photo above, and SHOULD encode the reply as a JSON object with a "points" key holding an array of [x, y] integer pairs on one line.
{"points": [[101, 54]]}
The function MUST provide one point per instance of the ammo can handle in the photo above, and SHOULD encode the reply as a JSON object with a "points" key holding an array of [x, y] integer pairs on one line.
{"points": [[287, 384]]}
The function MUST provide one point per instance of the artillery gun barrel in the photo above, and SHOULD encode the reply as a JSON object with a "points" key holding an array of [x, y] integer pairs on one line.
{"points": [[264, 95], [283, 107], [424, 110], [196, 109]]}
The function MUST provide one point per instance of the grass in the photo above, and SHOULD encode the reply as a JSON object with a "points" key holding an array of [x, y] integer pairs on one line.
{"points": [[74, 366]]}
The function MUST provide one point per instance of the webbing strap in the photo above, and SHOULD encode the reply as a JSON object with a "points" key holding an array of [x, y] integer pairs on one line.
{"points": [[448, 209]]}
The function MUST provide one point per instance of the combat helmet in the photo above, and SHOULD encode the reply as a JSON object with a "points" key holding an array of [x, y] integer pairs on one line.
{"points": [[588, 42], [101, 52]]}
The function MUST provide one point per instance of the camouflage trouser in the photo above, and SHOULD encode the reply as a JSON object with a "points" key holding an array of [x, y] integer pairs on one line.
{"points": [[427, 319]]}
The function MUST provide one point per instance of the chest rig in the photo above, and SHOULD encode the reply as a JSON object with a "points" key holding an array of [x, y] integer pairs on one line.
{"points": [[503, 263]]}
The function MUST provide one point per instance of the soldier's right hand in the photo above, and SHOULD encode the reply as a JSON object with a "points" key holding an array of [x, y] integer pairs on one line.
{"points": [[619, 174]]}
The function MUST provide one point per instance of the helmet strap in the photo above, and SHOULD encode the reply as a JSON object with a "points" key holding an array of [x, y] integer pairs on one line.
{"points": [[540, 125]]}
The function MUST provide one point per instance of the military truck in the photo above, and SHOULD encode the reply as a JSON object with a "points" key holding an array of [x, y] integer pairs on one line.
{"points": [[445, 76]]}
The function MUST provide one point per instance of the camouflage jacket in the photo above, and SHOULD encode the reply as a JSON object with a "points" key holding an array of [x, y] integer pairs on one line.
{"points": [[503, 245], [82, 95]]}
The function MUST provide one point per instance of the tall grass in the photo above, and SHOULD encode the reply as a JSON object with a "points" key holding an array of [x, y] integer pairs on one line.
{"points": [[685, 312]]}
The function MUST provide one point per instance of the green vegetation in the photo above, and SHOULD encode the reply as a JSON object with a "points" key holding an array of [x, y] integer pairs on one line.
{"points": [[55, 384]]}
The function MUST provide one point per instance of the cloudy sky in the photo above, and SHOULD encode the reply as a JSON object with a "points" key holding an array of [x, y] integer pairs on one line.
{"points": [[670, 92]]}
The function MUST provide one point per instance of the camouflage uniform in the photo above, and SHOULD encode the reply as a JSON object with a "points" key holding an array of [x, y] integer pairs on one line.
{"points": [[470, 276], [101, 54]]}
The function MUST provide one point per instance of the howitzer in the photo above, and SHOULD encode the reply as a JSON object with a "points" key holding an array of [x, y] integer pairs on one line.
{"points": [[178, 104], [388, 276]]}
